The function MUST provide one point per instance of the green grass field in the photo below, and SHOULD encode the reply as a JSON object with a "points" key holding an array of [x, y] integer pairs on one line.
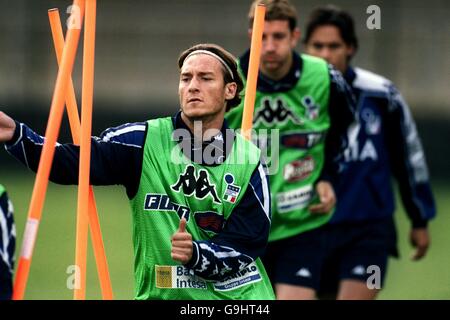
{"points": [[55, 246]]}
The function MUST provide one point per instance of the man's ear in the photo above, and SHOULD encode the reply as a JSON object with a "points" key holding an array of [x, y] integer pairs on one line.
{"points": [[230, 90], [249, 33], [350, 51], [296, 34]]}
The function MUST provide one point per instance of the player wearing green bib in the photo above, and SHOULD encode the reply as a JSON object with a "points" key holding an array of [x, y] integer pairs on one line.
{"points": [[198, 194], [301, 151], [308, 103], [198, 191]]}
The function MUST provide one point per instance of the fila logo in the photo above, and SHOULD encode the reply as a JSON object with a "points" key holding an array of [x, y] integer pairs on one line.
{"points": [[367, 152], [199, 186], [275, 112], [162, 202]]}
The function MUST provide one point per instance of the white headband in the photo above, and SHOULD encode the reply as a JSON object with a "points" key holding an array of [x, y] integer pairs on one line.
{"points": [[212, 54]]}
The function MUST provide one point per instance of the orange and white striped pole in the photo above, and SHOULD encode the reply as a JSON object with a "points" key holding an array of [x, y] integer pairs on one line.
{"points": [[252, 76], [74, 120], [48, 151], [85, 146]]}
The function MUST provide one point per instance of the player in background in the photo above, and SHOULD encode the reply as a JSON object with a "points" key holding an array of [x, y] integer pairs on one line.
{"points": [[385, 144], [310, 105], [201, 220], [7, 245]]}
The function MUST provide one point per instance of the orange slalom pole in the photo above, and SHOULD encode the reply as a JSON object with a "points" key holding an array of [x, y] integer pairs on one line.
{"points": [[85, 146], [252, 76], [71, 102], [74, 120], [45, 163]]}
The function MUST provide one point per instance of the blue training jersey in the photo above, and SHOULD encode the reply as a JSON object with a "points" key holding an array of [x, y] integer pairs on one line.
{"points": [[384, 143], [117, 158]]}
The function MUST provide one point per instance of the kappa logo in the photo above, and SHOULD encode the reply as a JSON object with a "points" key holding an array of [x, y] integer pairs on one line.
{"points": [[275, 112], [199, 186], [304, 273], [359, 270]]}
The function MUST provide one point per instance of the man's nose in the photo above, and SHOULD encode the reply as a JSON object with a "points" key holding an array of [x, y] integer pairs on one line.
{"points": [[193, 84], [325, 53], [269, 44]]}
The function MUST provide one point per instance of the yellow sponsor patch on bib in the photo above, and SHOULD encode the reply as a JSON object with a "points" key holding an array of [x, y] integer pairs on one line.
{"points": [[177, 277]]}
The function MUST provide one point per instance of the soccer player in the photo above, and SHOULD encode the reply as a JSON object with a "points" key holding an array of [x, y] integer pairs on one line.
{"points": [[7, 245], [200, 219], [310, 105], [385, 144]]}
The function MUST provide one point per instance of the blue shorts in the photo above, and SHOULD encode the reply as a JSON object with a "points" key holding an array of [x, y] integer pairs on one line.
{"points": [[321, 258], [296, 260]]}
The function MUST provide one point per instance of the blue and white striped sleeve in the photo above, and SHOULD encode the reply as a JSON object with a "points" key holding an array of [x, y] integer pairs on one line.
{"points": [[129, 134], [116, 157], [243, 238]]}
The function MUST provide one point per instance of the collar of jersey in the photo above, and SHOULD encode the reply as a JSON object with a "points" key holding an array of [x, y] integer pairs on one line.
{"points": [[218, 144]]}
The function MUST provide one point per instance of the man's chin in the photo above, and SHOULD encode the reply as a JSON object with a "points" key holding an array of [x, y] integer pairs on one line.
{"points": [[271, 66], [195, 115]]}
